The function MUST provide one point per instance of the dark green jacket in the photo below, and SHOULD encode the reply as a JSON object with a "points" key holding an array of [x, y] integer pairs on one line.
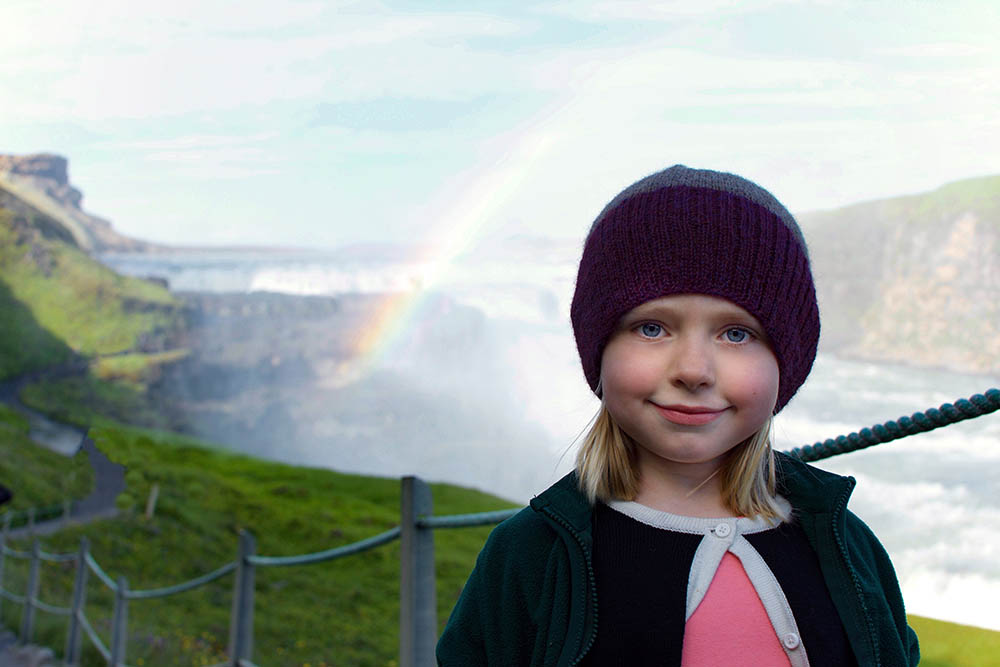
{"points": [[531, 599]]}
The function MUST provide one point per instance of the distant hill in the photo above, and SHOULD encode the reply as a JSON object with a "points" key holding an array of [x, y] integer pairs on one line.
{"points": [[57, 302], [913, 279], [39, 184]]}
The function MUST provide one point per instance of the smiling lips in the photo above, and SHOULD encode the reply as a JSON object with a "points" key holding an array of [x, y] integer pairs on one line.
{"points": [[688, 415]]}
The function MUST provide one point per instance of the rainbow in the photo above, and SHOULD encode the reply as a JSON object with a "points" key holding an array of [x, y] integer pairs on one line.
{"points": [[456, 229]]}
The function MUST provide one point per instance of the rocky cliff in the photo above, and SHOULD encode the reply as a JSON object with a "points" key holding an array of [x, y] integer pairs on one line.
{"points": [[913, 279], [38, 186]]}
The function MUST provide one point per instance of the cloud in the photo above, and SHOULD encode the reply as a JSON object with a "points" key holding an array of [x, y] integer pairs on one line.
{"points": [[124, 60], [927, 50], [558, 115], [601, 11]]}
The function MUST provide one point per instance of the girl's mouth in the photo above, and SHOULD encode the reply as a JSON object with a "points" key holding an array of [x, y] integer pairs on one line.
{"points": [[688, 415]]}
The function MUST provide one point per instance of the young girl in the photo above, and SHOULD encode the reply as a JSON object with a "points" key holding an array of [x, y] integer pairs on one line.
{"points": [[681, 538]]}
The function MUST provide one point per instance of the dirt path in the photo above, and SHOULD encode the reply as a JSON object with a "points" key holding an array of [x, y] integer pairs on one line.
{"points": [[67, 439]]}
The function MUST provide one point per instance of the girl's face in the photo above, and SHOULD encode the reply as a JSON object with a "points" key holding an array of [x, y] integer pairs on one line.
{"points": [[688, 377]]}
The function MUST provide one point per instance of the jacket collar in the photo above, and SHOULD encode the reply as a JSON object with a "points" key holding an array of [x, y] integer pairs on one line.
{"points": [[565, 501], [806, 487], [809, 488]]}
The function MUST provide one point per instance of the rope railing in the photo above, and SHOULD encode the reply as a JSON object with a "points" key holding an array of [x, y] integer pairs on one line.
{"points": [[467, 520], [14, 553], [94, 638], [418, 624], [101, 574], [56, 558], [183, 586], [329, 554], [17, 599], [976, 405], [52, 609], [20, 518]]}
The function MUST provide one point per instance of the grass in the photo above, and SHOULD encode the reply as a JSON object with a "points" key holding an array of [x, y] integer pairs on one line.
{"points": [[87, 400], [944, 644], [343, 612], [136, 369], [38, 477], [62, 302]]}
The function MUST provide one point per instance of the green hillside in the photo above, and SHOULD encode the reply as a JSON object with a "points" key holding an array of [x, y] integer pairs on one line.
{"points": [[40, 478], [343, 612], [58, 302], [944, 644]]}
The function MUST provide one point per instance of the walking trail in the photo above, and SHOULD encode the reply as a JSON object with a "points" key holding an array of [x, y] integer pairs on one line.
{"points": [[109, 481]]}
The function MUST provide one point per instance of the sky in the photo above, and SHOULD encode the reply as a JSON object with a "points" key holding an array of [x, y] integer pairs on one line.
{"points": [[323, 124]]}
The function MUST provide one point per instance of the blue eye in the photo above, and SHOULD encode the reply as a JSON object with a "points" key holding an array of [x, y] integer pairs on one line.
{"points": [[737, 335], [650, 329]]}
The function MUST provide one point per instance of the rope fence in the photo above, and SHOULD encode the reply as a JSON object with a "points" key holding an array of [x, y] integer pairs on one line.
{"points": [[976, 405], [418, 617]]}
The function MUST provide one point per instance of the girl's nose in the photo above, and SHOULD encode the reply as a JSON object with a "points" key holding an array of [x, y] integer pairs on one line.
{"points": [[691, 364]]}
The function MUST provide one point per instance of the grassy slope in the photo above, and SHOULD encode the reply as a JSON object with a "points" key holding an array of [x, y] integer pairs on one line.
{"points": [[57, 300], [43, 478], [91, 399], [945, 644], [343, 612], [57, 303]]}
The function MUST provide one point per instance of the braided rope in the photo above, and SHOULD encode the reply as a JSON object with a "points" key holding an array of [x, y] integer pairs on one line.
{"points": [[919, 422]]}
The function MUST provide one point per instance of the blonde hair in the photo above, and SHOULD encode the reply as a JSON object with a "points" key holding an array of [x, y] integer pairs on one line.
{"points": [[606, 469]]}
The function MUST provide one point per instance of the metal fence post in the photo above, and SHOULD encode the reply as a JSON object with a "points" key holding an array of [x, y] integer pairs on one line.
{"points": [[119, 624], [28, 619], [72, 656], [417, 596], [3, 552], [241, 619]]}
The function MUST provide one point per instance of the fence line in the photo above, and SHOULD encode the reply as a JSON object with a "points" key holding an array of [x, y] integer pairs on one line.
{"points": [[418, 611]]}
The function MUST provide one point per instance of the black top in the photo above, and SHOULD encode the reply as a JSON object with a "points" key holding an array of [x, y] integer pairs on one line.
{"points": [[642, 574]]}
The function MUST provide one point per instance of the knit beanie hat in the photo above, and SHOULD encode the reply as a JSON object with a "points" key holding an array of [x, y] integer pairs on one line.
{"points": [[695, 231]]}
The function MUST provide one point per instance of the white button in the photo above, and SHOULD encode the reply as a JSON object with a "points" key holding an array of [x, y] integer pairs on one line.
{"points": [[723, 530], [791, 640]]}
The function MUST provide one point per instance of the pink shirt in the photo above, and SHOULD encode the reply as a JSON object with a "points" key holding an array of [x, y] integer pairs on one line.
{"points": [[730, 627]]}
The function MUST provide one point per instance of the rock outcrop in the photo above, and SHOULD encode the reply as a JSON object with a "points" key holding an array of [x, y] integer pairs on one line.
{"points": [[38, 185], [913, 279]]}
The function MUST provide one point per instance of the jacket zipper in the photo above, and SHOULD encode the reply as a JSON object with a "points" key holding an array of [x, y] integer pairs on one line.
{"points": [[839, 509], [592, 584]]}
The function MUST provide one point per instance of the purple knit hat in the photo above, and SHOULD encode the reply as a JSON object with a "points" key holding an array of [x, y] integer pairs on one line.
{"points": [[695, 231]]}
